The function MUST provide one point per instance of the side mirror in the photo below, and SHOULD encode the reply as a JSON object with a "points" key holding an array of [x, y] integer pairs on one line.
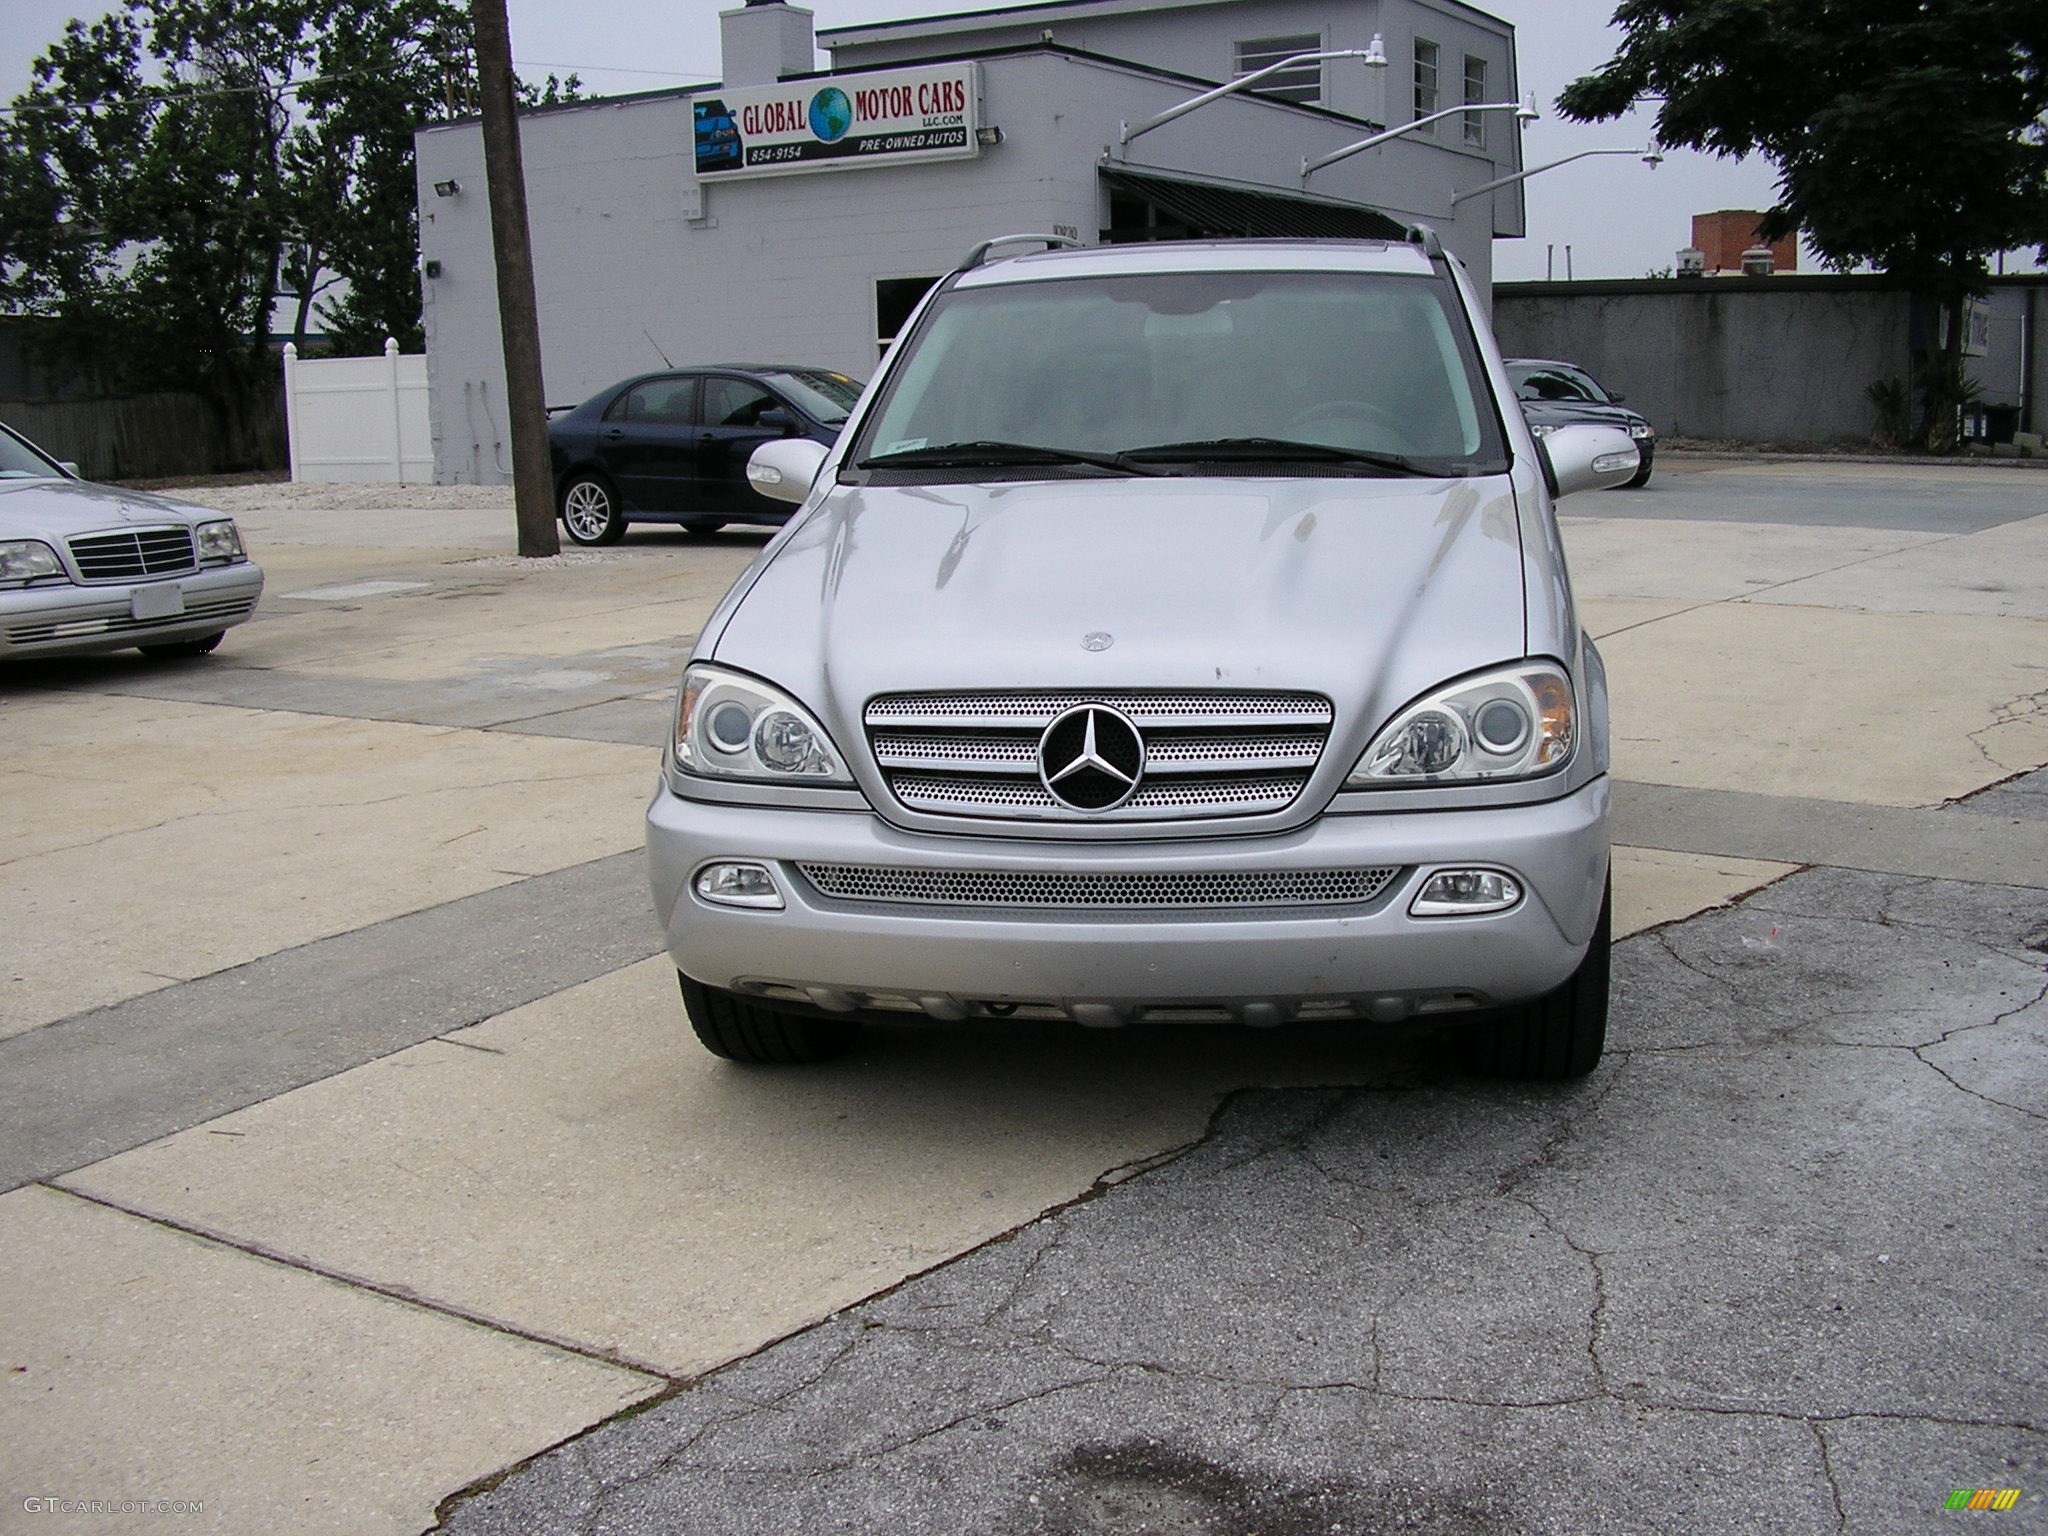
{"points": [[70, 467], [1616, 396], [775, 419], [784, 469], [1587, 458]]}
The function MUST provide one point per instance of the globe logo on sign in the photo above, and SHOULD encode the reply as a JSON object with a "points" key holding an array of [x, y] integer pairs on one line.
{"points": [[831, 114]]}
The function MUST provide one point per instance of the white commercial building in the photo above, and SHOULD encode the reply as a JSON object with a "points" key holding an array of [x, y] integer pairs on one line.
{"points": [[791, 215]]}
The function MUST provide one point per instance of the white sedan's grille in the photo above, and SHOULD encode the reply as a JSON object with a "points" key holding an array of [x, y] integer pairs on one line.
{"points": [[127, 555]]}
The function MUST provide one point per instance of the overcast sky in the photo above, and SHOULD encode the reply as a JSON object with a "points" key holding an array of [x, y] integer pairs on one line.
{"points": [[1617, 217]]}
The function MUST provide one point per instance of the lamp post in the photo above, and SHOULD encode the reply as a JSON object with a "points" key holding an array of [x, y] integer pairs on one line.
{"points": [[1652, 157], [1525, 112], [1374, 55]]}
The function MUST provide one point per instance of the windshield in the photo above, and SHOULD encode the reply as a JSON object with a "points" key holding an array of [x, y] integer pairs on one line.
{"points": [[1207, 372], [18, 461], [825, 397], [1555, 381]]}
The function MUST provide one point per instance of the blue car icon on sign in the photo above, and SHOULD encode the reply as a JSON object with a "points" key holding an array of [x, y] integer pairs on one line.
{"points": [[718, 137]]}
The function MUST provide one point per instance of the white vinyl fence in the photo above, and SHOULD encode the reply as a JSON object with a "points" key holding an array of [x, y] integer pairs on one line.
{"points": [[358, 418]]}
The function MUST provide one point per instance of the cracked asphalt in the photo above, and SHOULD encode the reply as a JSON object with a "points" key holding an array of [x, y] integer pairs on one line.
{"points": [[1779, 1265]]}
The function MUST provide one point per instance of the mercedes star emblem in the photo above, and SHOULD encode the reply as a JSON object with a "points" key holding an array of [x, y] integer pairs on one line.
{"points": [[1091, 758], [1097, 640]]}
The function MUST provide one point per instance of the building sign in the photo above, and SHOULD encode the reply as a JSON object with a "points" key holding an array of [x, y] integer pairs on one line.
{"points": [[839, 122]]}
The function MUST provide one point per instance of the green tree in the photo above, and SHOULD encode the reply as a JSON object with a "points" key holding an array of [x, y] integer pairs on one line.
{"points": [[1906, 133], [177, 169]]}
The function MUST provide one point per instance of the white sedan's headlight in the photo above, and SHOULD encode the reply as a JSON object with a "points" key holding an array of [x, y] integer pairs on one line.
{"points": [[731, 726], [1515, 723], [219, 542], [26, 560]]}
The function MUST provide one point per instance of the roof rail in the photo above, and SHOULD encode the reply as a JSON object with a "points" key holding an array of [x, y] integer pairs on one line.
{"points": [[979, 254], [1424, 236]]}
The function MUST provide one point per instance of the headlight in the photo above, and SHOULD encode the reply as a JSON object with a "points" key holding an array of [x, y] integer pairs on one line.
{"points": [[1516, 723], [26, 560], [731, 726], [1641, 429], [219, 541]]}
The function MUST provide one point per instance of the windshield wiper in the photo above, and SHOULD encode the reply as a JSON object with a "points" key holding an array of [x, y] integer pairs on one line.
{"points": [[1272, 450], [993, 455]]}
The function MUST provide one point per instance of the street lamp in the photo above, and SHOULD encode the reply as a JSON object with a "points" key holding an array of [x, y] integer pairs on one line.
{"points": [[1525, 112], [1652, 157], [1374, 55]]}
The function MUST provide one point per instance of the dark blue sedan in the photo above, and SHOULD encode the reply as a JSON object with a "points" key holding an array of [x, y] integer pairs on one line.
{"points": [[672, 447]]}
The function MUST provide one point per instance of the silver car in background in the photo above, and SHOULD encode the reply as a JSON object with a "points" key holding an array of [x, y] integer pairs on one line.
{"points": [[1175, 632], [87, 567]]}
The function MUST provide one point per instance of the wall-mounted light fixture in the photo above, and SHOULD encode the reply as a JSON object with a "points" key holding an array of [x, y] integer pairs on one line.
{"points": [[447, 188], [431, 267], [1525, 113], [1374, 57], [989, 135]]}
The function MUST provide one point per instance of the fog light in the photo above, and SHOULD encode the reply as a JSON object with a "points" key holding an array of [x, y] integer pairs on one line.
{"points": [[1465, 893], [738, 885]]}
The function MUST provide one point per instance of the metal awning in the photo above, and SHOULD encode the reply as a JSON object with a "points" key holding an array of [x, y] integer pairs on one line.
{"points": [[1192, 210]]}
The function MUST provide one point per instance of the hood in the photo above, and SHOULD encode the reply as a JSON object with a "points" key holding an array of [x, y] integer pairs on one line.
{"points": [[60, 509], [1367, 591], [1563, 413]]}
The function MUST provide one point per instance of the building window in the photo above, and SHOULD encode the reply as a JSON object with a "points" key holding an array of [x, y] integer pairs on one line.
{"points": [[1475, 92], [895, 298], [1302, 84], [1426, 93]]}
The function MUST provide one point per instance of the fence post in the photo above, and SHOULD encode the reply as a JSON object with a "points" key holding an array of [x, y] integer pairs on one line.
{"points": [[397, 411], [291, 407]]}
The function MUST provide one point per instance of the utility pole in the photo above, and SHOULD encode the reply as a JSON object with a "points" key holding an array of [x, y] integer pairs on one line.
{"points": [[518, 316]]}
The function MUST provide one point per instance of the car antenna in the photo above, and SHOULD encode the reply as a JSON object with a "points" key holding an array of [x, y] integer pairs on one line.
{"points": [[657, 347]]}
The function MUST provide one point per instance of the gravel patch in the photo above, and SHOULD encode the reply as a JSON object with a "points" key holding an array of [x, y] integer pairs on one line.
{"points": [[284, 496]]}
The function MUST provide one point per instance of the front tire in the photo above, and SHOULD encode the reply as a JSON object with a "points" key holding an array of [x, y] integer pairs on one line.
{"points": [[742, 1029], [590, 511], [1559, 1035], [1641, 477], [176, 649]]}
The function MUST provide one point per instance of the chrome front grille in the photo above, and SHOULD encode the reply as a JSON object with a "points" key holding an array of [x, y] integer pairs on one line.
{"points": [[1207, 754], [1056, 890], [131, 553]]}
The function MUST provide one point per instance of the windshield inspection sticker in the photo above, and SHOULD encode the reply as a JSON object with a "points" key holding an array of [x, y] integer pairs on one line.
{"points": [[906, 445]]}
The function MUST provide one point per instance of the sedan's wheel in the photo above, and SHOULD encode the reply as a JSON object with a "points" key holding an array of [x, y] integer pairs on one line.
{"points": [[590, 511], [176, 648], [1559, 1035], [1642, 474], [702, 525], [743, 1029]]}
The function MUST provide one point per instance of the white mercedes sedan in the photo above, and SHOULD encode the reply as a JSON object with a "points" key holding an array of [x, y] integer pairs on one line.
{"points": [[87, 567]]}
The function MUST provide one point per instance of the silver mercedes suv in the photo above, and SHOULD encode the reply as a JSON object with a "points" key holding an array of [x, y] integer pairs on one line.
{"points": [[1175, 632]]}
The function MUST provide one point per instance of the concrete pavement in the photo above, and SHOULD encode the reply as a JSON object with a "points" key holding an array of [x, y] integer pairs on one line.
{"points": [[337, 1054]]}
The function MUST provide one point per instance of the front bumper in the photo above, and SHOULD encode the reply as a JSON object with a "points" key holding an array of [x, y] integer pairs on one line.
{"points": [[1260, 963], [73, 620]]}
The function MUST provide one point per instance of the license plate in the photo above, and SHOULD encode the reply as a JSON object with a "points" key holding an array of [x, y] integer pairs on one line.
{"points": [[165, 601]]}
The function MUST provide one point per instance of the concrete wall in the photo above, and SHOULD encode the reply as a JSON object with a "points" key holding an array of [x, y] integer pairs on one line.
{"points": [[1778, 359], [628, 246], [1769, 360]]}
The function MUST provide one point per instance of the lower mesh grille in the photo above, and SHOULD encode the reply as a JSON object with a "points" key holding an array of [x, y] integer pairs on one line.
{"points": [[1054, 889]]}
